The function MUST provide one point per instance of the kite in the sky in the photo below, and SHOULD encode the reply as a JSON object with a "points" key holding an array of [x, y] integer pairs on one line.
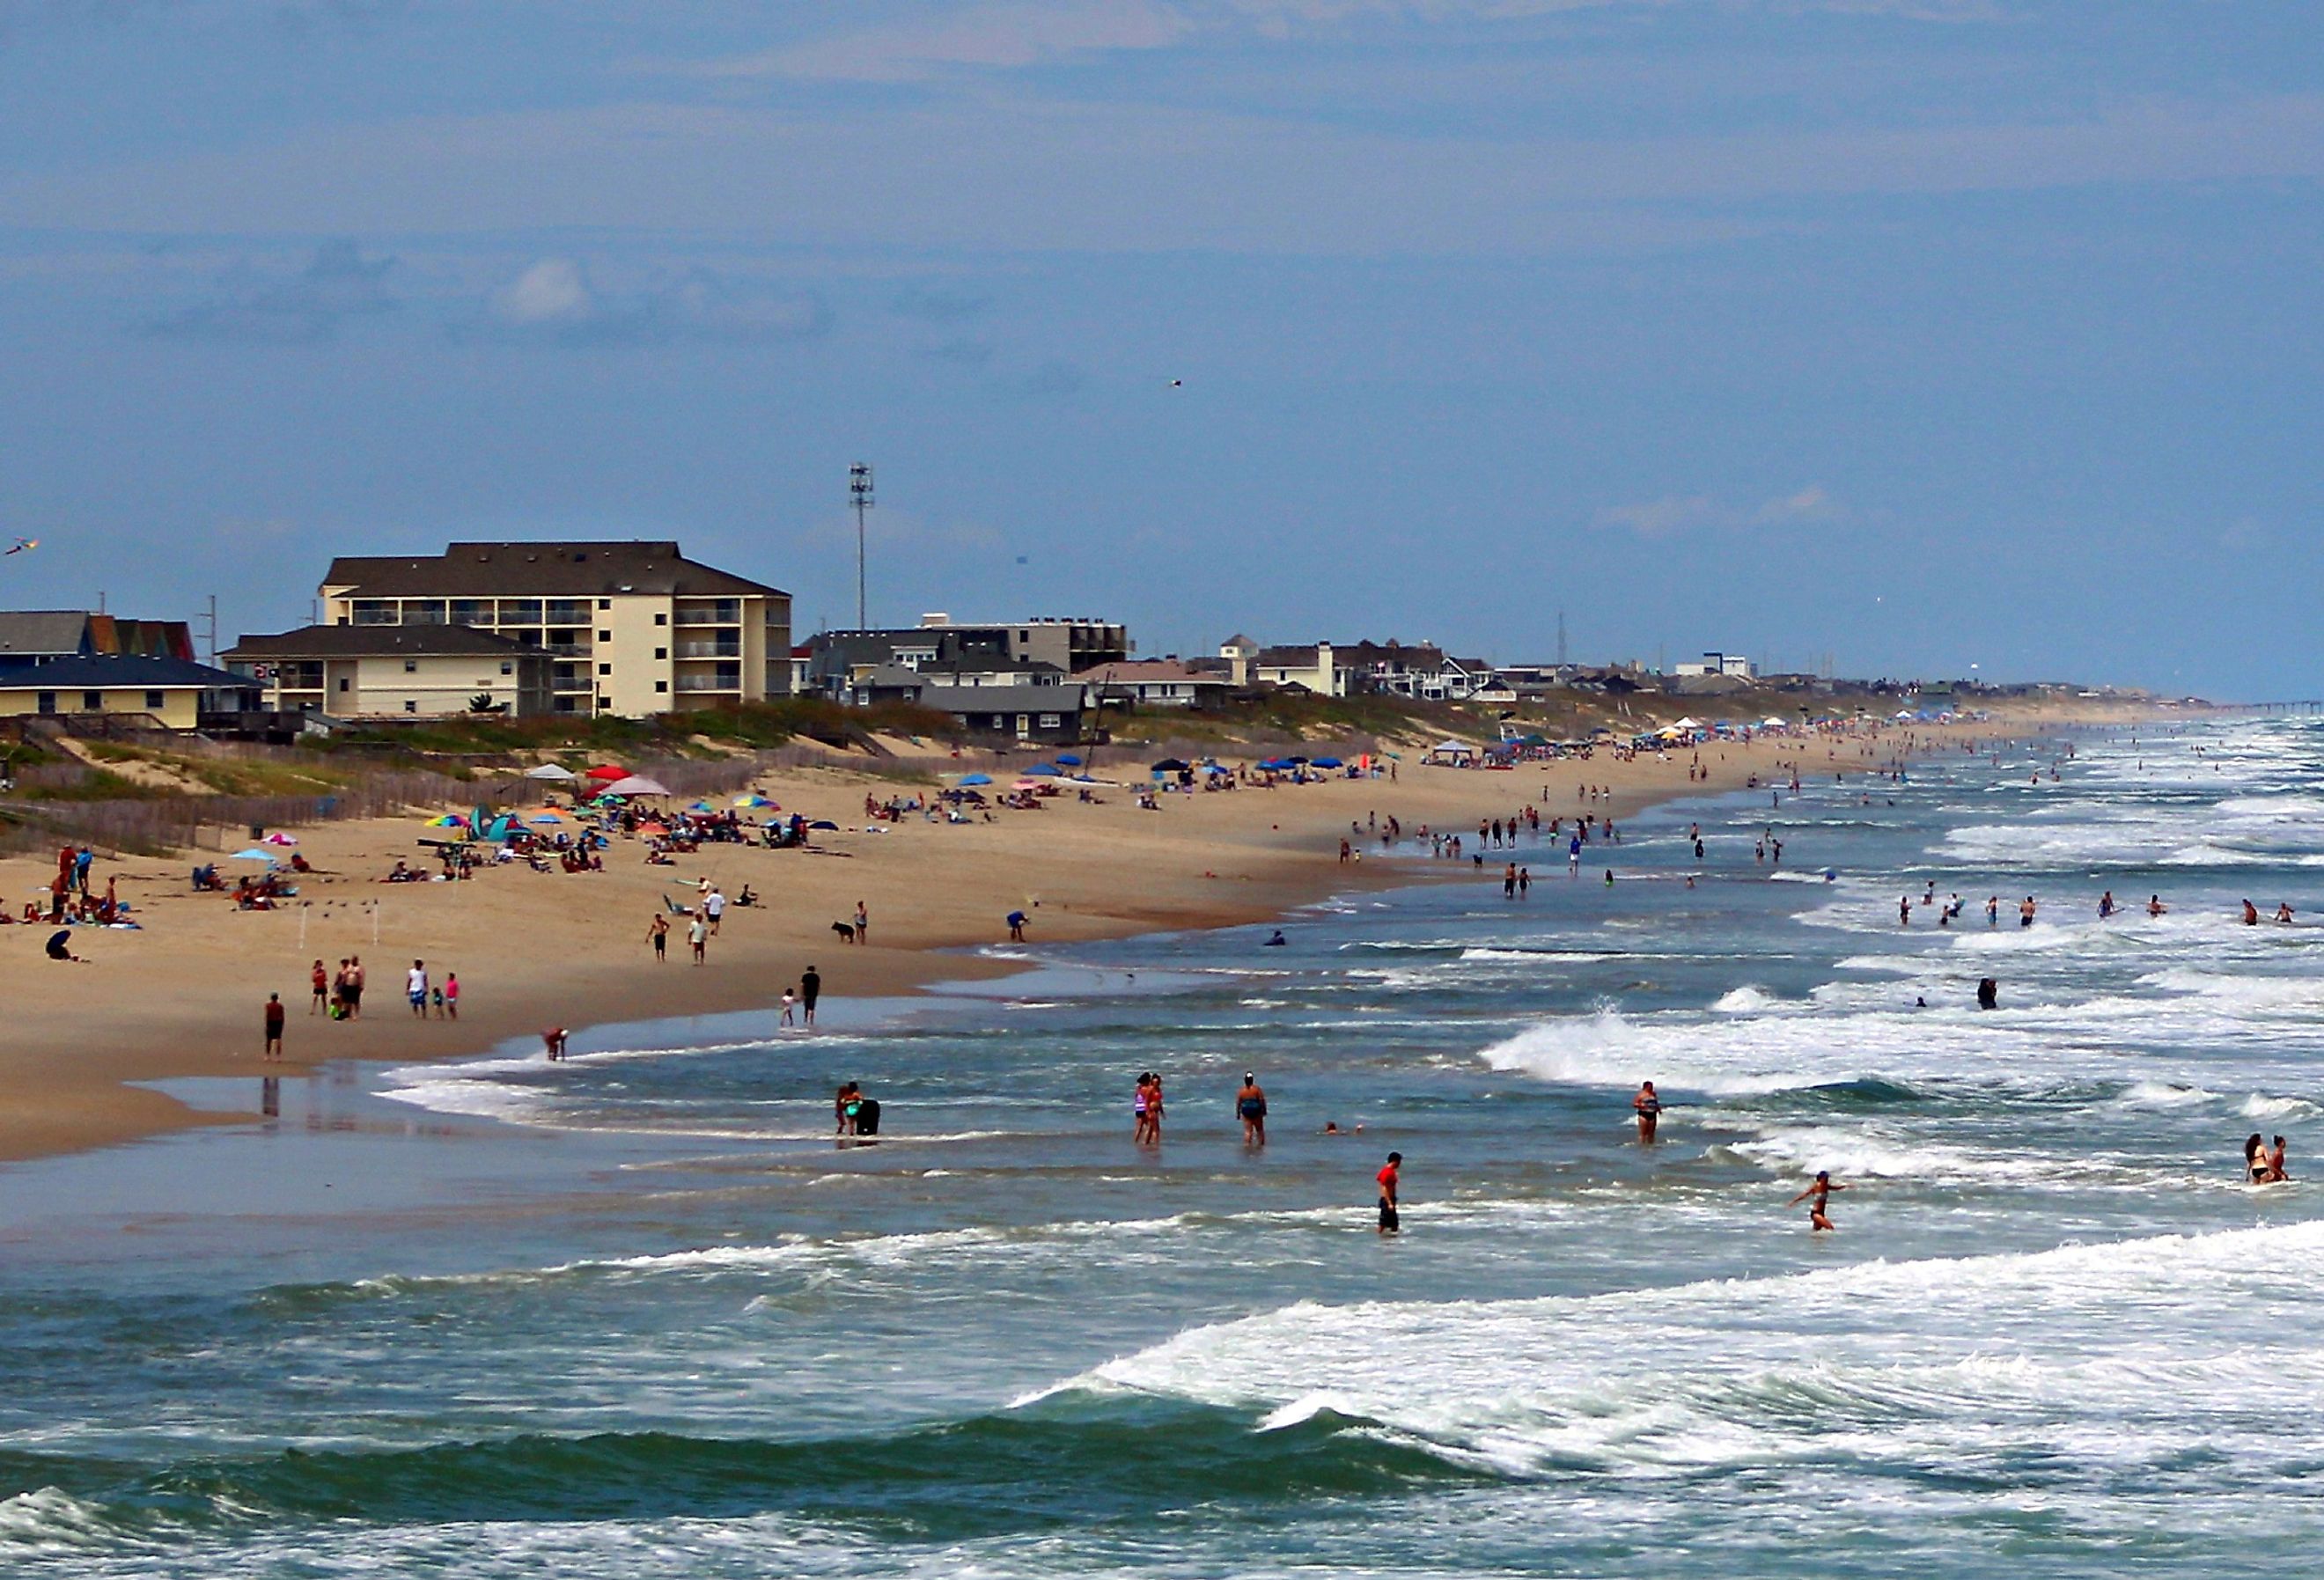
{"points": [[21, 544]]}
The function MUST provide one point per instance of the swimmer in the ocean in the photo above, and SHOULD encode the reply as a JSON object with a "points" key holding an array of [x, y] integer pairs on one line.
{"points": [[1821, 1190]]}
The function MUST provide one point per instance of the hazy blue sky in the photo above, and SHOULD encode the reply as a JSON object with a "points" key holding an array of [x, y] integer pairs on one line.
{"points": [[1926, 333]]}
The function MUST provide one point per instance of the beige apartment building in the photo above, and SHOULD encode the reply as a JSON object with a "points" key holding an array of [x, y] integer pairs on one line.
{"points": [[631, 628], [394, 671]]}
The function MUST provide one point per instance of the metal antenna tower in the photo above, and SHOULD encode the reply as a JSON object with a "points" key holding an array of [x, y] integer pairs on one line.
{"points": [[858, 493]]}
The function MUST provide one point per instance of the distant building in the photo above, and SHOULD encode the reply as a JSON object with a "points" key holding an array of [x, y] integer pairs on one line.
{"points": [[37, 635], [1719, 663], [938, 646], [1154, 683], [631, 628], [1421, 671], [1051, 716], [1239, 653], [173, 693], [395, 672]]}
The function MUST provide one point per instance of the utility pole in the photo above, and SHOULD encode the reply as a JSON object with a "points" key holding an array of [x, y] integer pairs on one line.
{"points": [[1561, 639], [858, 493]]}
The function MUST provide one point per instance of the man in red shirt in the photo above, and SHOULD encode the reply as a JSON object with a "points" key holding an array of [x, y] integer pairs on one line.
{"points": [[1388, 1220], [273, 1025]]}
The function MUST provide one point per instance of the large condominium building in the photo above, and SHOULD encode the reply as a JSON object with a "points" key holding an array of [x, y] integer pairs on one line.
{"points": [[632, 628]]}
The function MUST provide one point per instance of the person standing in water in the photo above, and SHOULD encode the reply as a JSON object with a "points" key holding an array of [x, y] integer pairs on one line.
{"points": [[1391, 1221], [810, 990], [1650, 1112], [1250, 1104], [1821, 1190]]}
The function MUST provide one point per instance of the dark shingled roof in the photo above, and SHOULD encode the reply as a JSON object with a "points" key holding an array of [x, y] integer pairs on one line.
{"points": [[105, 671], [537, 571], [358, 642]]}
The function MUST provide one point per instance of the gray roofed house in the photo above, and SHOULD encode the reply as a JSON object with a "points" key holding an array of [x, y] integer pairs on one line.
{"points": [[43, 633], [390, 671]]}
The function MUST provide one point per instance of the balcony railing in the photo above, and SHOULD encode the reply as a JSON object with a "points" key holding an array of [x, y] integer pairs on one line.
{"points": [[710, 650], [710, 682], [707, 617]]}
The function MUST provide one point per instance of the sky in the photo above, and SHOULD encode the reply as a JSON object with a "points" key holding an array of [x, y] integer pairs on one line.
{"points": [[1917, 336]]}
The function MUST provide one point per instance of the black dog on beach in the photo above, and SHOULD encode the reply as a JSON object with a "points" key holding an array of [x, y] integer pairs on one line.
{"points": [[845, 930]]}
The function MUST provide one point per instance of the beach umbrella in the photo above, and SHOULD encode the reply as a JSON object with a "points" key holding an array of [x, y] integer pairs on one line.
{"points": [[1325, 763], [550, 770], [637, 784], [824, 824], [1214, 767], [253, 854], [699, 807], [544, 818], [1067, 757], [755, 800], [279, 839], [1044, 771], [976, 779], [1170, 766], [449, 820], [653, 828]]}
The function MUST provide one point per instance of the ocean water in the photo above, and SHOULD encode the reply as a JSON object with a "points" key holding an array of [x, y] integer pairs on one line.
{"points": [[639, 1314]]}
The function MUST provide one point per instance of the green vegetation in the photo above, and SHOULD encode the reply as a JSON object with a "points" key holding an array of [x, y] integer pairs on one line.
{"points": [[747, 727]]}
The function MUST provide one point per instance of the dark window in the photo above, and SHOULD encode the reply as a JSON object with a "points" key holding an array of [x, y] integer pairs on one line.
{"points": [[153, 701], [604, 636], [411, 666], [661, 685], [604, 669], [345, 684], [661, 652], [410, 705], [661, 619], [604, 603], [92, 701], [507, 668]]}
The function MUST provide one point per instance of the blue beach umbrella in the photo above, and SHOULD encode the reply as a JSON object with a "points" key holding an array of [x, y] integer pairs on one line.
{"points": [[1069, 758], [1325, 763], [1044, 771], [976, 779]]}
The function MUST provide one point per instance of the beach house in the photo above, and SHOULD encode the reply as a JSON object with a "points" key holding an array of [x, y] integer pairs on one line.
{"points": [[632, 628], [94, 693], [396, 672]]}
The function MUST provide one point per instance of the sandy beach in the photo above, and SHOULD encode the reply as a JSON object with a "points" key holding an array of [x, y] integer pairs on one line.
{"points": [[183, 994]]}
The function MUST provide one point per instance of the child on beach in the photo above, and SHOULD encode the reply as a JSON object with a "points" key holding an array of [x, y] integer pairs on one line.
{"points": [[791, 999]]}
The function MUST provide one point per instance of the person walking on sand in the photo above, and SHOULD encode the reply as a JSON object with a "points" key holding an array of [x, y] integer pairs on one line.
{"points": [[714, 907], [1820, 1189], [1390, 1175], [275, 1013], [863, 923], [1650, 1112], [810, 990], [1250, 1106], [320, 1004], [354, 987], [697, 935], [552, 1041], [658, 934], [415, 988]]}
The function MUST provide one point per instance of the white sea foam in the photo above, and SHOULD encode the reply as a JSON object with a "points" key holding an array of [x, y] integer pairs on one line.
{"points": [[1910, 1362]]}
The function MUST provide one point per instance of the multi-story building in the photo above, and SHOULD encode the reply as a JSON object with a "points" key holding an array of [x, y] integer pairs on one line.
{"points": [[631, 628], [395, 672], [938, 642]]}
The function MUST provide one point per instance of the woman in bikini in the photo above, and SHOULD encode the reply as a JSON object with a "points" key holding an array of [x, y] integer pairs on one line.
{"points": [[1821, 1189]]}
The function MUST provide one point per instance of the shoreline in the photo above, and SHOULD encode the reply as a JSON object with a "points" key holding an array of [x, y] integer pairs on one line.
{"points": [[535, 950]]}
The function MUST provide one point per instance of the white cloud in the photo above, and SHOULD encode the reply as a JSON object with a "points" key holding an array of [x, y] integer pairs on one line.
{"points": [[1813, 506], [554, 300], [551, 292], [1023, 32]]}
